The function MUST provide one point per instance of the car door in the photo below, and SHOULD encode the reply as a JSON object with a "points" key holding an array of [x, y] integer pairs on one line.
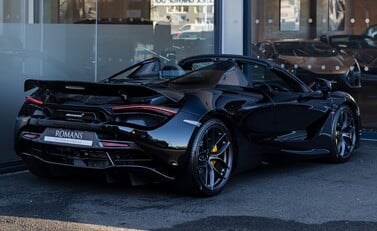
{"points": [[293, 110], [296, 108], [256, 119]]}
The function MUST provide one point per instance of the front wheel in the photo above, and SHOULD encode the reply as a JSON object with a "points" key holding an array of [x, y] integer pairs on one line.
{"points": [[344, 133], [211, 159]]}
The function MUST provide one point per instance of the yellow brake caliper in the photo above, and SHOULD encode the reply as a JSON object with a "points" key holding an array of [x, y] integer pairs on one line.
{"points": [[214, 150]]}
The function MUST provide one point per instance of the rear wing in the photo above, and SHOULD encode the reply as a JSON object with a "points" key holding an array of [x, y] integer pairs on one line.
{"points": [[103, 89]]}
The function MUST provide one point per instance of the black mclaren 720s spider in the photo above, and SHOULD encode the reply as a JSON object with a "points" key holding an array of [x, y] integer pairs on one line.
{"points": [[193, 124]]}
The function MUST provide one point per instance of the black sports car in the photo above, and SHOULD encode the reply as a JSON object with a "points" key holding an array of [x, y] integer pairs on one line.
{"points": [[364, 48], [311, 59], [194, 124]]}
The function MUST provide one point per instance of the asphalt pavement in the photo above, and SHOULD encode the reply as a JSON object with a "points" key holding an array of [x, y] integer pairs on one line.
{"points": [[294, 195]]}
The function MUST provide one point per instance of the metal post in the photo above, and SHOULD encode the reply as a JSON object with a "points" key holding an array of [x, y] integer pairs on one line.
{"points": [[247, 27]]}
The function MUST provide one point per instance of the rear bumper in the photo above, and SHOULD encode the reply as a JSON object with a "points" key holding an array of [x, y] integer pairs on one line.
{"points": [[160, 152], [131, 159], [136, 174]]}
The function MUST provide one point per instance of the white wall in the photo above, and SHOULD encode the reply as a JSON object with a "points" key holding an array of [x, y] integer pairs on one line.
{"points": [[232, 36]]}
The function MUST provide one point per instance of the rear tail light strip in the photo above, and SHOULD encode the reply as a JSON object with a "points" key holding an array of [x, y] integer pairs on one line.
{"points": [[109, 144], [30, 99], [145, 107], [31, 136]]}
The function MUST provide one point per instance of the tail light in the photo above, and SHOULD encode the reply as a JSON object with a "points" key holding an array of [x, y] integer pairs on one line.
{"points": [[31, 136], [151, 108], [33, 107], [146, 116], [109, 144], [30, 99]]}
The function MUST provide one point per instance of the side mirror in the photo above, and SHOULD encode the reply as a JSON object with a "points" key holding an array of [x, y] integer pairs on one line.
{"points": [[322, 85]]}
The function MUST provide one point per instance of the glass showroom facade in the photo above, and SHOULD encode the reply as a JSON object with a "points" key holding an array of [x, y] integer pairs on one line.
{"points": [[88, 40]]}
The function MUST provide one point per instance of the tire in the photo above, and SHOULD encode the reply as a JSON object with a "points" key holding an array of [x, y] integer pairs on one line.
{"points": [[344, 134], [210, 160]]}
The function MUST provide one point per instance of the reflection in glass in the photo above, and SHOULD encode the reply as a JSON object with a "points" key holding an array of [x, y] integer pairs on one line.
{"points": [[337, 9], [77, 11], [304, 49], [289, 15], [164, 29], [89, 40]]}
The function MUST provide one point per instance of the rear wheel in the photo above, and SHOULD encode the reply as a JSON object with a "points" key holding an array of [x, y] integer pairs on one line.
{"points": [[344, 134], [211, 159]]}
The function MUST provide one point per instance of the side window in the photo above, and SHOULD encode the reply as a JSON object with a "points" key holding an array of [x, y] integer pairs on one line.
{"points": [[260, 76]]}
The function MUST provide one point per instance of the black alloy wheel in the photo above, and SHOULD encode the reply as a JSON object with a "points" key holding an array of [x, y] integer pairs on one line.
{"points": [[211, 159], [344, 134]]}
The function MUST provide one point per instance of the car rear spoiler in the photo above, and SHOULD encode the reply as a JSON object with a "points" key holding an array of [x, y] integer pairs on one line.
{"points": [[103, 89]]}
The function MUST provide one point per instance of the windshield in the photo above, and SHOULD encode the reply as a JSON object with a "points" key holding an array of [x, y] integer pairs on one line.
{"points": [[304, 48]]}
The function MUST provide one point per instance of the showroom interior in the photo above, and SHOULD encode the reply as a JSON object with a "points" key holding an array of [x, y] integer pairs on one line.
{"points": [[88, 40]]}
